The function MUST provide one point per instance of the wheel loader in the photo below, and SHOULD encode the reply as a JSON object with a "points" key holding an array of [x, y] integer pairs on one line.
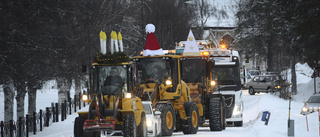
{"points": [[112, 104], [159, 80], [196, 72]]}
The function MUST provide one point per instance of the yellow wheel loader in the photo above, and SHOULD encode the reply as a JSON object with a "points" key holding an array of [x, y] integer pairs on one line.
{"points": [[196, 72], [159, 80], [112, 104]]}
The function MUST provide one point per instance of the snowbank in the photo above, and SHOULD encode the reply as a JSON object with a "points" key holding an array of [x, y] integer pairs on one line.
{"points": [[303, 72]]}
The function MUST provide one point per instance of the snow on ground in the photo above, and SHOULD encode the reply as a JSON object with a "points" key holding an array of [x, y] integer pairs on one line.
{"points": [[253, 108], [253, 126], [303, 72]]}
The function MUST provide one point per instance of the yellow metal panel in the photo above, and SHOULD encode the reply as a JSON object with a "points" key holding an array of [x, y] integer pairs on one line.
{"points": [[200, 109], [84, 114]]}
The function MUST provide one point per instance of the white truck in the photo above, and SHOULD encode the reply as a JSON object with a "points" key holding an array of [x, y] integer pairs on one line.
{"points": [[226, 72]]}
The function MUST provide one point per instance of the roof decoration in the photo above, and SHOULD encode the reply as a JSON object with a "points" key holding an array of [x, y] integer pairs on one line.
{"points": [[191, 48], [114, 56], [152, 46]]}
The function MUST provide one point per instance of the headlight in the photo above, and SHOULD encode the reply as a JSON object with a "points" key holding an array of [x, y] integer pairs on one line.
{"points": [[213, 83], [84, 97], [305, 109], [168, 82], [128, 95], [237, 110], [149, 122]]}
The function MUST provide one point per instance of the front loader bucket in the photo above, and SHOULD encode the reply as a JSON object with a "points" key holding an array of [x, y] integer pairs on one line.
{"points": [[99, 125]]}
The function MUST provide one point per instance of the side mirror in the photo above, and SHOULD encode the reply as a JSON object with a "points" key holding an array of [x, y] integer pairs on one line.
{"points": [[157, 113]]}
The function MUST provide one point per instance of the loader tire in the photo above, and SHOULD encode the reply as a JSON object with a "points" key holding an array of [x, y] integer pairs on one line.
{"points": [[168, 119], [142, 128], [178, 123], [215, 114], [193, 118], [224, 113], [78, 127], [129, 126]]}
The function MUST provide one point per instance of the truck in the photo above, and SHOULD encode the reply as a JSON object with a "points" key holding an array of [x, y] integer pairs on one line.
{"points": [[226, 74], [113, 105]]}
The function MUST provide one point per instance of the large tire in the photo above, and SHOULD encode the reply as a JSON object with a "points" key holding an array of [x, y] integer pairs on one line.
{"points": [[193, 118], [168, 119], [215, 114], [129, 126], [142, 128], [78, 127], [224, 116], [251, 91], [178, 123]]}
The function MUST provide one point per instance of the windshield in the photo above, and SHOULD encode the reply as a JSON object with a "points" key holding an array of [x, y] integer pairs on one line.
{"points": [[314, 99], [227, 75], [147, 108], [193, 70], [109, 79], [254, 72], [151, 70]]}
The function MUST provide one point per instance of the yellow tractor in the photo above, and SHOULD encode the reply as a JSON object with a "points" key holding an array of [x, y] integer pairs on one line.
{"points": [[159, 80], [196, 72], [112, 104]]}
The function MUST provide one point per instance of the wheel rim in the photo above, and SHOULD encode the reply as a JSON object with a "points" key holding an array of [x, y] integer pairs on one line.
{"points": [[251, 90], [169, 120], [194, 119]]}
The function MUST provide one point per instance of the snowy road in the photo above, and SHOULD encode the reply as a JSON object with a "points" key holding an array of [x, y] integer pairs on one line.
{"points": [[253, 126]]}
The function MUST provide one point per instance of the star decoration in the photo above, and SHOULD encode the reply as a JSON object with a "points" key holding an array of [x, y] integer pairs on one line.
{"points": [[191, 48], [191, 38]]}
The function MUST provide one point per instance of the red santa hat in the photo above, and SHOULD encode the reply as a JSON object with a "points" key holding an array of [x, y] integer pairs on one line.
{"points": [[152, 46]]}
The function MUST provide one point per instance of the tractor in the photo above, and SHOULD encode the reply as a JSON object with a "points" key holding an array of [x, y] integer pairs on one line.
{"points": [[159, 80], [112, 104], [196, 72]]}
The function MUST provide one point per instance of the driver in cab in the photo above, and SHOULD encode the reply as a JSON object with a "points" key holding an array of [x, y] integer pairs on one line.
{"points": [[114, 79]]}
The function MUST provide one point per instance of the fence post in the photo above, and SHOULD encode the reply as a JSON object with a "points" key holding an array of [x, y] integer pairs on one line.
{"points": [[34, 123], [40, 119], [11, 128], [46, 123], [1, 126], [20, 126], [53, 113], [65, 109], [70, 105], [75, 103], [79, 101], [62, 112], [57, 112], [27, 126]]}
